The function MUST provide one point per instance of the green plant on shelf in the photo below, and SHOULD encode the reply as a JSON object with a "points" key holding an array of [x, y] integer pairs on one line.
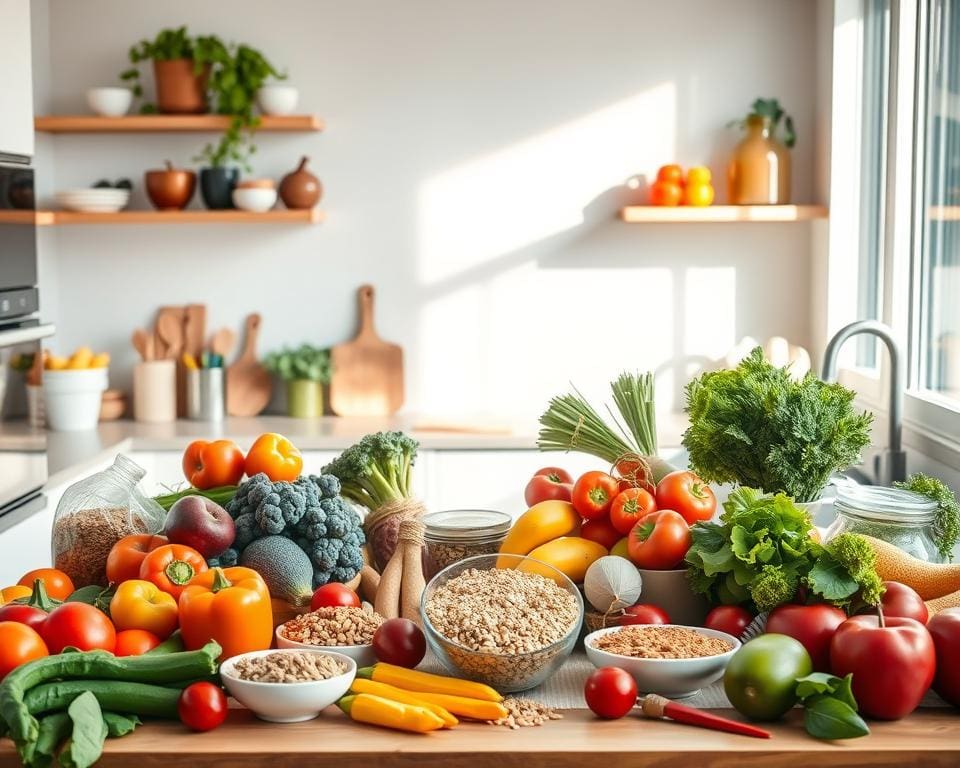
{"points": [[771, 109], [303, 363]]}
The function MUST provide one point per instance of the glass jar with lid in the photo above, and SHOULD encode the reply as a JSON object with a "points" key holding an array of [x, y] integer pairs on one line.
{"points": [[455, 534], [899, 517]]}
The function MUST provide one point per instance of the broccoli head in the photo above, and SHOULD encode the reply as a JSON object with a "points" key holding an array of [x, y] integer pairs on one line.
{"points": [[245, 530], [226, 559], [329, 485], [377, 469], [250, 493], [332, 538], [773, 587]]}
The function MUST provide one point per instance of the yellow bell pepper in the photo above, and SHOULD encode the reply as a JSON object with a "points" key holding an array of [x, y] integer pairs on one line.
{"points": [[376, 710], [140, 604], [361, 685], [413, 680]]}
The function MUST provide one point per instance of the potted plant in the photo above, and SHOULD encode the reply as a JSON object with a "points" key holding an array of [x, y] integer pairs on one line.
{"points": [[305, 370]]}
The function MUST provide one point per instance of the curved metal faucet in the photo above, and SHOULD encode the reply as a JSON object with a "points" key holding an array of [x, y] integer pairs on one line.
{"points": [[895, 466]]}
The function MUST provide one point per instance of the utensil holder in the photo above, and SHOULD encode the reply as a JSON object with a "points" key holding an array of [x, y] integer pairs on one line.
{"points": [[205, 394], [36, 417], [155, 391]]}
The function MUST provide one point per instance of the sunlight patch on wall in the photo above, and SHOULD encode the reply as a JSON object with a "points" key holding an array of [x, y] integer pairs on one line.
{"points": [[501, 202], [710, 311]]}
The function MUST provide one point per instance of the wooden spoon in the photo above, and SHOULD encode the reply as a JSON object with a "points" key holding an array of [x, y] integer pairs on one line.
{"points": [[221, 343], [139, 339], [171, 332]]}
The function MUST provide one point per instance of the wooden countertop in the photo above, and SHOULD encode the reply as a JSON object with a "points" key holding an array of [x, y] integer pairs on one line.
{"points": [[929, 737]]}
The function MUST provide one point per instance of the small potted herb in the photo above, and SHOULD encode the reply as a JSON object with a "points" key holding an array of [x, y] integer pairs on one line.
{"points": [[305, 370]]}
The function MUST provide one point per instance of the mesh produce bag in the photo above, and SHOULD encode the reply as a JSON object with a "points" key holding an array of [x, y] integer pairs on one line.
{"points": [[96, 512]]}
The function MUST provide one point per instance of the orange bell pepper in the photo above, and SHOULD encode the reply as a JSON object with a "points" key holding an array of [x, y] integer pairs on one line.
{"points": [[139, 604], [229, 605], [171, 567], [126, 556], [275, 456], [212, 464], [8, 594]]}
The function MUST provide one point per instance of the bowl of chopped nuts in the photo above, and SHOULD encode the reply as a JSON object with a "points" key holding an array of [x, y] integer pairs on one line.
{"points": [[288, 686], [505, 620], [669, 659], [340, 629]]}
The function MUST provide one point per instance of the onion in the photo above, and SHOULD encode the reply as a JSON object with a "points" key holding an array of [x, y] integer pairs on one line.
{"points": [[612, 583]]}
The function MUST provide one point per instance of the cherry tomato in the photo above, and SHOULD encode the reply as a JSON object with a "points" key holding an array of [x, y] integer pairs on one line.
{"points": [[644, 613], [687, 494], [25, 614], [672, 173], [732, 619], [665, 193], [898, 600], [610, 692], [202, 706], [601, 531], [333, 594], [79, 625], [18, 645], [593, 494], [629, 507], [659, 541], [548, 483], [135, 642], [559, 474], [59, 586], [399, 642]]}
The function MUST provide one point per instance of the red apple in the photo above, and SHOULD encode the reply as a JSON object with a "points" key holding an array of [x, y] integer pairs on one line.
{"points": [[200, 523], [812, 625], [900, 600], [944, 628]]}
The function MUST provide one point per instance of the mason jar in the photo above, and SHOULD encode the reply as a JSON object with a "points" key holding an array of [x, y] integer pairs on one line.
{"points": [[898, 517], [455, 534]]}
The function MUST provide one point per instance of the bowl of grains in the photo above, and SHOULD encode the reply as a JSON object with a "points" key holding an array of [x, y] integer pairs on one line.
{"points": [[488, 619], [669, 659], [341, 629], [288, 686]]}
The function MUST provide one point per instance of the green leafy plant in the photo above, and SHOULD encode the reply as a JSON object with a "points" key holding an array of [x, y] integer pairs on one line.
{"points": [[755, 425], [771, 109], [830, 709], [305, 362], [946, 524], [761, 553]]}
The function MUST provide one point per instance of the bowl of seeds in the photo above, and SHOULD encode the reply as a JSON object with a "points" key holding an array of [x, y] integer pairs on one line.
{"points": [[340, 629], [669, 659], [288, 686], [505, 620]]}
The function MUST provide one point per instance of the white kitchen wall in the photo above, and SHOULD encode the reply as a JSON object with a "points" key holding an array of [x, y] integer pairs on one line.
{"points": [[474, 161]]}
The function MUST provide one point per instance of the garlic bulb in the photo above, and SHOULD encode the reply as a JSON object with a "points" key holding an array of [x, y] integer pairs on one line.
{"points": [[612, 583]]}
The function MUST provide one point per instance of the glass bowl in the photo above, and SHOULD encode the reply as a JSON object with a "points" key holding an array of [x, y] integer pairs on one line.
{"points": [[507, 672]]}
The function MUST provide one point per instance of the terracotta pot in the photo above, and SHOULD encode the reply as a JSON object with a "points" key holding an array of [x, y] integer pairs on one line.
{"points": [[300, 188], [179, 90], [170, 189]]}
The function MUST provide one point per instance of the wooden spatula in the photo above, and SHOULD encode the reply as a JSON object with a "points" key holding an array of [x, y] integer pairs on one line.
{"points": [[368, 371], [248, 384]]}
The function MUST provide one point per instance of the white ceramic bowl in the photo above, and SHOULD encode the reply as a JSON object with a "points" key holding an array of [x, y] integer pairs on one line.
{"points": [[93, 200], [363, 655], [278, 99], [287, 702], [256, 199], [72, 398], [110, 102], [673, 678]]}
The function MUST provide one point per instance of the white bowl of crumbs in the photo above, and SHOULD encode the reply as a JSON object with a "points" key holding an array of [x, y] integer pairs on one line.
{"points": [[670, 659], [341, 629], [288, 686]]}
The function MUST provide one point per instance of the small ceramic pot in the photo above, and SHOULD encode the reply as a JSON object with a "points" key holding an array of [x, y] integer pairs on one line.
{"points": [[170, 189], [671, 591], [217, 185], [304, 399], [278, 99], [109, 102], [300, 189], [179, 89]]}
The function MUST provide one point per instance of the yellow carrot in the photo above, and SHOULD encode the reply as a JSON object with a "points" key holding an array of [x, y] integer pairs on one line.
{"points": [[376, 710], [463, 706], [362, 685], [414, 680]]}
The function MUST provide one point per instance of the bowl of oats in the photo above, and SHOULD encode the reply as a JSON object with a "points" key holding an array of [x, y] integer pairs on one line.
{"points": [[669, 659], [339, 629], [288, 686], [489, 620]]}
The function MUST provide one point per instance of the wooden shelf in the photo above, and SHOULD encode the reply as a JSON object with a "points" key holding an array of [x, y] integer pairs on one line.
{"points": [[650, 214], [943, 213], [169, 123], [58, 218]]}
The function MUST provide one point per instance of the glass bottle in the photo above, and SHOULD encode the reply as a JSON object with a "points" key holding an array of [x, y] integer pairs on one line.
{"points": [[759, 171]]}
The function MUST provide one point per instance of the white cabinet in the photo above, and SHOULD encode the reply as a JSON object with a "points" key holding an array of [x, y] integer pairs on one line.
{"points": [[16, 86]]}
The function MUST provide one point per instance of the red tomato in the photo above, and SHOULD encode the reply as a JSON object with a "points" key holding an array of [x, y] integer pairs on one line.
{"points": [[629, 507], [333, 594], [25, 614], [79, 625], [731, 619], [593, 494], [665, 193], [944, 628], [212, 464], [892, 663], [547, 484], [601, 531], [687, 494], [659, 541], [135, 642], [559, 474], [59, 586], [644, 613], [672, 173], [399, 642], [202, 706], [812, 625], [899, 600], [18, 645], [610, 692]]}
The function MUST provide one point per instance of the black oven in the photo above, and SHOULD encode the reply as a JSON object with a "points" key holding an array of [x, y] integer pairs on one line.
{"points": [[18, 246]]}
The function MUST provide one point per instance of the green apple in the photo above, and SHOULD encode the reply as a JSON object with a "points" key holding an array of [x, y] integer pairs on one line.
{"points": [[620, 549]]}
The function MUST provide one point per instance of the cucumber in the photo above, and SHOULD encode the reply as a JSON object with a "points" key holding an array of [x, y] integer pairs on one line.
{"points": [[136, 698]]}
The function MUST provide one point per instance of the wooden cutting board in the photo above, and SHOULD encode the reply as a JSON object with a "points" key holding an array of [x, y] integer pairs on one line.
{"points": [[249, 385], [368, 371]]}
